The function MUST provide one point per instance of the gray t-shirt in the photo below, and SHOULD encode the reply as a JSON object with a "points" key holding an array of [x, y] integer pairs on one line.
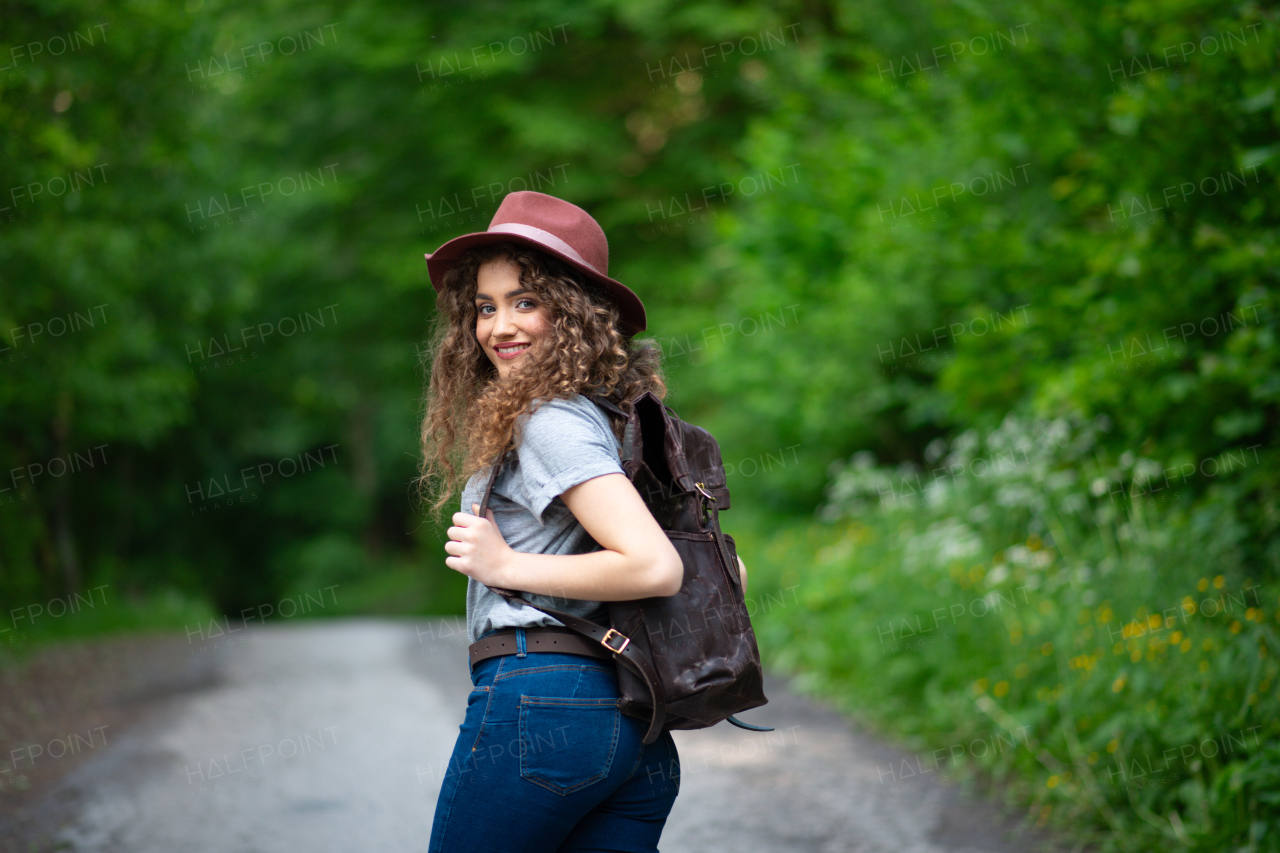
{"points": [[563, 443]]}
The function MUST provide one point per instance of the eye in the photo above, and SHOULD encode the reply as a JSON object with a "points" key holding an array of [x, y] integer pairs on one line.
{"points": [[526, 302], [483, 309]]}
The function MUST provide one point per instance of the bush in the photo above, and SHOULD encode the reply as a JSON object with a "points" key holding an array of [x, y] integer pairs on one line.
{"points": [[1032, 608]]}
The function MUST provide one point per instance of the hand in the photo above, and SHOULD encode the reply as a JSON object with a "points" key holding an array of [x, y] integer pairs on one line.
{"points": [[476, 547], [742, 573]]}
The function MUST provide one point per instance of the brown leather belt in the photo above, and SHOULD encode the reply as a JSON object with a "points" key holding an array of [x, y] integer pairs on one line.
{"points": [[559, 640]]}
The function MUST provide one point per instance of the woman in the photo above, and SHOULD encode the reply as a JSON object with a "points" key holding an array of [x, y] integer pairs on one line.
{"points": [[529, 322]]}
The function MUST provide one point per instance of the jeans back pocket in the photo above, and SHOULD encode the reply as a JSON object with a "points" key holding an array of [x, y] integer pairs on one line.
{"points": [[567, 744]]}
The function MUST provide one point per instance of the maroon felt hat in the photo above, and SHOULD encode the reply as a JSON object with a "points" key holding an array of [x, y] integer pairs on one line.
{"points": [[548, 224]]}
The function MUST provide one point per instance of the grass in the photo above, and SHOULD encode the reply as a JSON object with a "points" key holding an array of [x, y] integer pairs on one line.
{"points": [[92, 613], [1106, 653]]}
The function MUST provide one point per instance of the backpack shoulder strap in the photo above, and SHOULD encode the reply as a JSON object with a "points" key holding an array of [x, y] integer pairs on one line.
{"points": [[488, 489], [628, 431], [607, 404]]}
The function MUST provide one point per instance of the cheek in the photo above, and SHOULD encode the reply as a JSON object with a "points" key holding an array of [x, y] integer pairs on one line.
{"points": [[543, 327]]}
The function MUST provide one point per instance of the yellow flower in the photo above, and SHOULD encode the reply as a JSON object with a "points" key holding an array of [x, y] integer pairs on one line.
{"points": [[1175, 638], [1046, 649], [1154, 621], [1135, 655], [1105, 614], [1189, 605], [980, 686], [1093, 758], [1022, 671], [1116, 687], [1204, 666], [1186, 645], [1207, 644], [1235, 627], [1113, 745], [1218, 582], [1203, 585], [1053, 781], [1001, 688]]}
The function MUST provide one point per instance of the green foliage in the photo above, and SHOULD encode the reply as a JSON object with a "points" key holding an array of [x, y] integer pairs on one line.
{"points": [[96, 612], [1037, 609], [859, 228], [253, 256], [971, 239]]}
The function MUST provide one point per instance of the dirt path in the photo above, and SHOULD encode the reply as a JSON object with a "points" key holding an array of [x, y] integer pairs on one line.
{"points": [[333, 735]]}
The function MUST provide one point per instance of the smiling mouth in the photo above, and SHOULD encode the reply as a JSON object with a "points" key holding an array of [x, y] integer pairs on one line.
{"points": [[510, 350]]}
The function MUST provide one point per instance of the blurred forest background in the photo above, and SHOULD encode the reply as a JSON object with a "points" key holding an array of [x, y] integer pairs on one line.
{"points": [[978, 297]]}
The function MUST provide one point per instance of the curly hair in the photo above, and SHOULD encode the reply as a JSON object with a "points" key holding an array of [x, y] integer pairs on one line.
{"points": [[471, 413]]}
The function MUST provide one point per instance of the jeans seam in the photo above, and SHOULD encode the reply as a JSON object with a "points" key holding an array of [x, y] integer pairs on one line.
{"points": [[488, 705], [549, 668], [453, 791]]}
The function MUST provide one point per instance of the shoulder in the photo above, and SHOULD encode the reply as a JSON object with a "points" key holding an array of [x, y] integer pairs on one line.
{"points": [[561, 444], [554, 417]]}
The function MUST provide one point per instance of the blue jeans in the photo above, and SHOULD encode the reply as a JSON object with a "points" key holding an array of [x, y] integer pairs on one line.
{"points": [[545, 761]]}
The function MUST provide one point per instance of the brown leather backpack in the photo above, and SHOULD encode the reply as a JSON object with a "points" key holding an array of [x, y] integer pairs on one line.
{"points": [[689, 660]]}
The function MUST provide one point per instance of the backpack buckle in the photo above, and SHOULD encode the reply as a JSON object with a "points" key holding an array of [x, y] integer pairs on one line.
{"points": [[609, 635], [708, 502]]}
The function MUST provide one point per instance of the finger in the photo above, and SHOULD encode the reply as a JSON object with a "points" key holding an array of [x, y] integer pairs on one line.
{"points": [[488, 513], [475, 509]]}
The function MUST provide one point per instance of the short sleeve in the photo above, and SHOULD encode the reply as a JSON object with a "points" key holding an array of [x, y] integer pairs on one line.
{"points": [[563, 443]]}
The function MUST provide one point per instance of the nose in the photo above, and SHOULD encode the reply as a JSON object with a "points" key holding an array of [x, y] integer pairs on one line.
{"points": [[503, 323]]}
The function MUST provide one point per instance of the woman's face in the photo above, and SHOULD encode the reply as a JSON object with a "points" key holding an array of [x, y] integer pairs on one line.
{"points": [[510, 318]]}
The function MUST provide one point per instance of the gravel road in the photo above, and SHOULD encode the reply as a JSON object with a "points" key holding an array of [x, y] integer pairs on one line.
{"points": [[332, 736]]}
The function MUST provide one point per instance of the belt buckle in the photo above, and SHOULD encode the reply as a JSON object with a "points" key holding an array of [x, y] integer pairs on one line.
{"points": [[609, 635]]}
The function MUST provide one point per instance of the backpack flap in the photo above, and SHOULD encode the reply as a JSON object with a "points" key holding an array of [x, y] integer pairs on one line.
{"points": [[679, 454], [705, 466]]}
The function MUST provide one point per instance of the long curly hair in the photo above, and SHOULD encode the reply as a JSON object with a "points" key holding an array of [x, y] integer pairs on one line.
{"points": [[471, 413]]}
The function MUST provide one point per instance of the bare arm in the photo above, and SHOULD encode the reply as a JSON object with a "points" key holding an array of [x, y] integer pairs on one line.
{"points": [[636, 561]]}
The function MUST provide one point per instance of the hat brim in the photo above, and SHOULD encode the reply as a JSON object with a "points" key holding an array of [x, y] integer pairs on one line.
{"points": [[630, 308]]}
